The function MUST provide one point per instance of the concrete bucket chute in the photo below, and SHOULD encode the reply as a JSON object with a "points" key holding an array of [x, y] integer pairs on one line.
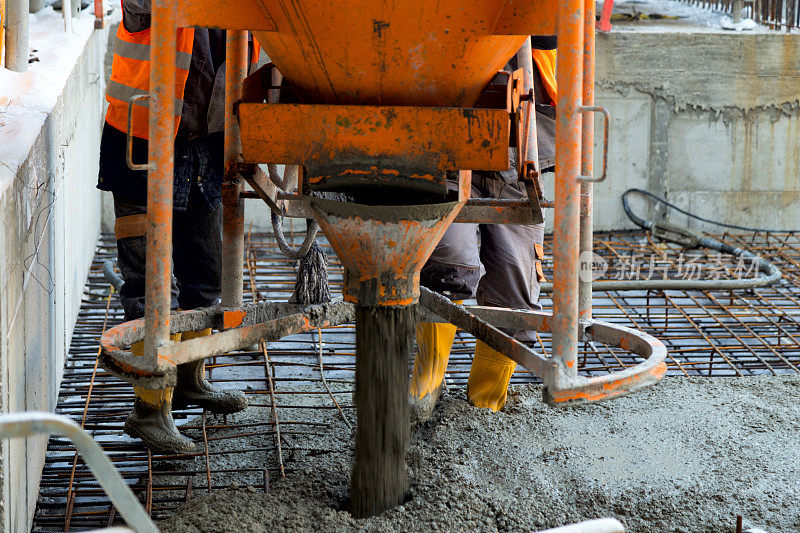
{"points": [[387, 101]]}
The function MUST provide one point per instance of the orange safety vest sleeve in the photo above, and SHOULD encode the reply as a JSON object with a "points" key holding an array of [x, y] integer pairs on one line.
{"points": [[130, 76], [546, 63]]}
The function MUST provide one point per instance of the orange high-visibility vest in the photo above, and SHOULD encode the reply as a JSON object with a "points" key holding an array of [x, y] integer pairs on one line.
{"points": [[546, 62], [130, 75]]}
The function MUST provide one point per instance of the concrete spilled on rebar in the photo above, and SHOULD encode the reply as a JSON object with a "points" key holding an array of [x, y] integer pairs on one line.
{"points": [[685, 456]]}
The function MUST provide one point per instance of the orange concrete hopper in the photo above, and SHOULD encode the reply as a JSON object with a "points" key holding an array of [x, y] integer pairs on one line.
{"points": [[398, 53], [386, 89]]}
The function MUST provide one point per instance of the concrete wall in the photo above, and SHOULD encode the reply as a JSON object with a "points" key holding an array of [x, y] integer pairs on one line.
{"points": [[49, 221], [711, 120]]}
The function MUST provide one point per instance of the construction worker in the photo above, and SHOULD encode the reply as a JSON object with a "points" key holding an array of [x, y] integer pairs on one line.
{"points": [[197, 217], [503, 269]]}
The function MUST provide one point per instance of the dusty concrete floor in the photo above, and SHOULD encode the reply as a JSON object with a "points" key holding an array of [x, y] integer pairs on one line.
{"points": [[685, 456]]}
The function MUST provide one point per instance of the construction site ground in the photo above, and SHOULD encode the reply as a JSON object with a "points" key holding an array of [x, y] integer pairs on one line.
{"points": [[688, 455], [717, 438]]}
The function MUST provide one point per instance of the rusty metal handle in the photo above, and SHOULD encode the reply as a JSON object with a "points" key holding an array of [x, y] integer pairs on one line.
{"points": [[606, 124], [129, 139]]}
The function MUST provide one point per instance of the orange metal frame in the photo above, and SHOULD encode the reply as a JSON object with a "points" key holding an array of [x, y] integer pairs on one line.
{"points": [[570, 321]]}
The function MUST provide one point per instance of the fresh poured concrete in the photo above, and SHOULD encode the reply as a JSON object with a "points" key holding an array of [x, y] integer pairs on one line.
{"points": [[687, 455]]}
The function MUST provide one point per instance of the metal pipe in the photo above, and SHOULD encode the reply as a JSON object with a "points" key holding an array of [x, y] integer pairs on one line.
{"points": [[21, 425], [525, 62], [233, 205], [17, 35], [587, 163], [159, 178], [110, 273], [736, 11], [567, 195], [99, 15], [66, 14]]}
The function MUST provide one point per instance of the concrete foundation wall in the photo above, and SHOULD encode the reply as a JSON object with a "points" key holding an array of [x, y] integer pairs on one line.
{"points": [[708, 119], [49, 222]]}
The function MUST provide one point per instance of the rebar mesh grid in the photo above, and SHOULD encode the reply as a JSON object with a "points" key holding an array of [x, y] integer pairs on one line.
{"points": [[301, 385]]}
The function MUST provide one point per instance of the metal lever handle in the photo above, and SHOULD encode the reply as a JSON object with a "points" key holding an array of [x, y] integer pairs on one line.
{"points": [[129, 140], [606, 123]]}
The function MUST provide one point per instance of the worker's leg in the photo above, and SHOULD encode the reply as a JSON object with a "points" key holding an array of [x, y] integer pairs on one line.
{"points": [[151, 417], [453, 270], [197, 254], [511, 255]]}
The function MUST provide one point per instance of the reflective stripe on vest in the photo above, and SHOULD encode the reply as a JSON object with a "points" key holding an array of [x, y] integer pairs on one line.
{"points": [[130, 76]]}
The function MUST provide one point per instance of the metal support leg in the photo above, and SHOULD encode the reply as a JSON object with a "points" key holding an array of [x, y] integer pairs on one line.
{"points": [[233, 204], [587, 150], [159, 179], [567, 196]]}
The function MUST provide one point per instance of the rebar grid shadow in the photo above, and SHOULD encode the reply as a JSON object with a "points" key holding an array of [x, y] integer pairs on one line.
{"points": [[709, 333]]}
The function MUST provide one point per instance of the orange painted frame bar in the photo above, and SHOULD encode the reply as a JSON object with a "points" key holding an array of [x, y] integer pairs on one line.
{"points": [[567, 197], [158, 286], [433, 138]]}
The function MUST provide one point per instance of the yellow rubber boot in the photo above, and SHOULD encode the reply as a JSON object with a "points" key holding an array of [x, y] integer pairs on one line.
{"points": [[151, 417], [434, 341], [194, 389], [489, 375]]}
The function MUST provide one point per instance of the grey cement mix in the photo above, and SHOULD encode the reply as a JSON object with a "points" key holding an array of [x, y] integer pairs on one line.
{"points": [[685, 456]]}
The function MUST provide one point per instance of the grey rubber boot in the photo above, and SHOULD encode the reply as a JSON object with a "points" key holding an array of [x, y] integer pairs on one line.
{"points": [[193, 389], [156, 428]]}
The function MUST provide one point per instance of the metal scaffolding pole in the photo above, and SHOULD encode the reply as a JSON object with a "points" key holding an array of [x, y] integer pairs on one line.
{"points": [[567, 209], [232, 203], [17, 35], [587, 151]]}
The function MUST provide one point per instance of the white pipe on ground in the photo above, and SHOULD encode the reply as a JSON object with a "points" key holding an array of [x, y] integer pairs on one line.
{"points": [[601, 525]]}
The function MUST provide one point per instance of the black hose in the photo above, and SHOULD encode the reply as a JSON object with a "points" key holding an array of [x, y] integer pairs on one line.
{"points": [[691, 239], [641, 223]]}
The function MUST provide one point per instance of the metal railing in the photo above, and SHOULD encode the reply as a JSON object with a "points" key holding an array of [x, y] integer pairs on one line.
{"points": [[21, 425], [16, 29], [776, 14]]}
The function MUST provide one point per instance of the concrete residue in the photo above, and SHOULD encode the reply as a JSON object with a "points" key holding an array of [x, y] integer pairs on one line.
{"points": [[726, 75], [681, 104], [687, 455]]}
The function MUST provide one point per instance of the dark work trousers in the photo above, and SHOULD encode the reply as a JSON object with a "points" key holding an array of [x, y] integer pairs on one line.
{"points": [[499, 269], [196, 256]]}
